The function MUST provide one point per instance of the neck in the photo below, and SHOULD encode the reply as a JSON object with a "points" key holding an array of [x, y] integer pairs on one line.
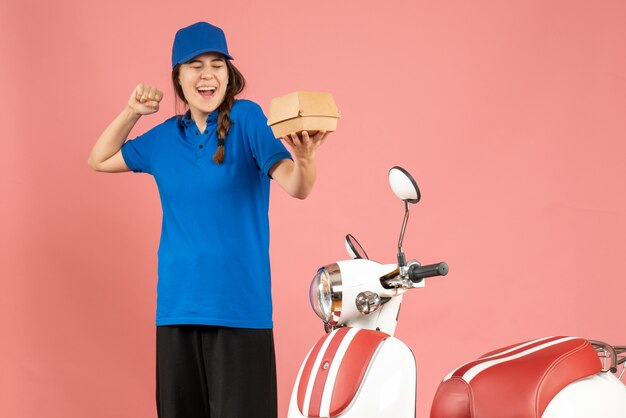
{"points": [[199, 117]]}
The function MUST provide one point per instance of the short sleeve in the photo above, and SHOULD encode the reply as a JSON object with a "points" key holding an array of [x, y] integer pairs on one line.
{"points": [[266, 149], [137, 152]]}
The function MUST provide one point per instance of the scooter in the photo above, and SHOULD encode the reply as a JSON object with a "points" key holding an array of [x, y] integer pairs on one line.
{"points": [[359, 369]]}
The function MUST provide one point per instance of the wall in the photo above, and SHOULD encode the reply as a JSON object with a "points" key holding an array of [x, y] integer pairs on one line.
{"points": [[510, 115]]}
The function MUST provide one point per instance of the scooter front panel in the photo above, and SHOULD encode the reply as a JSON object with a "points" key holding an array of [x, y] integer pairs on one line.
{"points": [[517, 381], [334, 371], [355, 363], [308, 375], [354, 371]]}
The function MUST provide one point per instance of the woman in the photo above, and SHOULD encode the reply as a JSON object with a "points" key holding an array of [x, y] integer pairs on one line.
{"points": [[212, 165]]}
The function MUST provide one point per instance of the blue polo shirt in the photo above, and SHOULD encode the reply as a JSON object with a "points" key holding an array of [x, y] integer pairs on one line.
{"points": [[214, 266]]}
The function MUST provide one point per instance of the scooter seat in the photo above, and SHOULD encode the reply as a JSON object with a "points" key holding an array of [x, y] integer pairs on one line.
{"points": [[334, 369], [518, 381]]}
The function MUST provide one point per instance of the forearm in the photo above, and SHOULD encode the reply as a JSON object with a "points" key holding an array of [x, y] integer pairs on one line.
{"points": [[297, 177], [300, 178], [113, 137]]}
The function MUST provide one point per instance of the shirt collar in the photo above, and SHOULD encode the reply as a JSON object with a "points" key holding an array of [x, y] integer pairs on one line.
{"points": [[187, 121]]}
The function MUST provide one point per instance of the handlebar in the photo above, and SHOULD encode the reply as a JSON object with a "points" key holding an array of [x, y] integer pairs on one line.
{"points": [[418, 273]]}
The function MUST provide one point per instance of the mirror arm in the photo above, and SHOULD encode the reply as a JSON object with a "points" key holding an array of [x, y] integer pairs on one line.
{"points": [[401, 258]]}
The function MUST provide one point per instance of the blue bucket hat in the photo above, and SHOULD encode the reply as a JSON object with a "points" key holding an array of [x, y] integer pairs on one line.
{"points": [[197, 39]]}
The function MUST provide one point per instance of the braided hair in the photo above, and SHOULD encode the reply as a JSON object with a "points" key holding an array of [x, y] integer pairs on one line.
{"points": [[236, 84]]}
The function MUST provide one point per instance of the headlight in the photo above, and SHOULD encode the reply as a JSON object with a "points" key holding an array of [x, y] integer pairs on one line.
{"points": [[325, 294]]}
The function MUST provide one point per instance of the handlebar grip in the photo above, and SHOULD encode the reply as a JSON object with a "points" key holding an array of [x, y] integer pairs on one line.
{"points": [[418, 273]]}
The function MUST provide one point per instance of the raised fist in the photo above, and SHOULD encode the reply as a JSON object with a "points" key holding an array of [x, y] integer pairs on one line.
{"points": [[145, 99]]}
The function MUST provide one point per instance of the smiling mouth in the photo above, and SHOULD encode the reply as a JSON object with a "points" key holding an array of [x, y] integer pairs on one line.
{"points": [[207, 92]]}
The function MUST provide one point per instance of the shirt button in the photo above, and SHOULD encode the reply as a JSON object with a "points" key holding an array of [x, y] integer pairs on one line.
{"points": [[201, 146], [206, 132], [196, 133]]}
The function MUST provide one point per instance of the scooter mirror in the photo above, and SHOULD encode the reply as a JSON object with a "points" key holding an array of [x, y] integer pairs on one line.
{"points": [[354, 248], [403, 185]]}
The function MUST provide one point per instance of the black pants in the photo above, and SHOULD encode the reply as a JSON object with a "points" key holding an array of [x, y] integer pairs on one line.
{"points": [[215, 372]]}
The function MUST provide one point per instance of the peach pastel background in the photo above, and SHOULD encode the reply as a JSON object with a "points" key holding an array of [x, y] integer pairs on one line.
{"points": [[511, 115]]}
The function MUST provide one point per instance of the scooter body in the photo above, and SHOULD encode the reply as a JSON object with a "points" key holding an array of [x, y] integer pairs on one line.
{"points": [[359, 369]]}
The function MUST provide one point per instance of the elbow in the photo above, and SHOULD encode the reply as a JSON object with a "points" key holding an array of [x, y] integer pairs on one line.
{"points": [[91, 163], [301, 194], [303, 191]]}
